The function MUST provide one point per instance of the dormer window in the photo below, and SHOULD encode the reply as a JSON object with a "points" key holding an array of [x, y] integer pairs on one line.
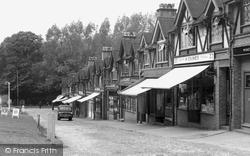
{"points": [[216, 31], [187, 37], [246, 10], [162, 53]]}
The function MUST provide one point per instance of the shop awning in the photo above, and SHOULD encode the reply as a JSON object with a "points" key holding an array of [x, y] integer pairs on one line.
{"points": [[72, 99], [137, 89], [175, 76], [65, 98], [57, 98], [89, 97]]}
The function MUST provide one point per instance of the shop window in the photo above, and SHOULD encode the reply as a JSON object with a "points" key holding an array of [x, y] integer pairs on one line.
{"points": [[197, 94], [216, 31], [113, 104], [246, 11], [98, 105], [187, 37], [129, 104]]}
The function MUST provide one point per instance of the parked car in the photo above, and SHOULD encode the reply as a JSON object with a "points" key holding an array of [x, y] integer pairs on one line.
{"points": [[64, 111]]}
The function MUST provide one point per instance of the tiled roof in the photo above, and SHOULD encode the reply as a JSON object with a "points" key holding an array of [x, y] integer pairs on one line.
{"points": [[196, 7], [148, 37], [166, 24]]}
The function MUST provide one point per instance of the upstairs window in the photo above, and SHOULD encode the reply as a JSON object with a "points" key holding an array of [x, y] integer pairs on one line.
{"points": [[246, 10], [146, 58], [162, 53], [216, 31], [187, 37]]}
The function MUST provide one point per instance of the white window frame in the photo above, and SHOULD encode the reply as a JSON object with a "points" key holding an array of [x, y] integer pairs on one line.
{"points": [[216, 31], [162, 55], [186, 36]]}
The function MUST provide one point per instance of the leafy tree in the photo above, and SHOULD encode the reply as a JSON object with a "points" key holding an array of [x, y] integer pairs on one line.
{"points": [[20, 52]]}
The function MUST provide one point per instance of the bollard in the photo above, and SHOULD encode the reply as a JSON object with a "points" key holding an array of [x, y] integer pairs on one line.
{"points": [[49, 126], [53, 118], [38, 120]]}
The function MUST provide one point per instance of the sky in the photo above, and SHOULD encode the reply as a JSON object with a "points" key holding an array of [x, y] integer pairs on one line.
{"points": [[38, 16]]}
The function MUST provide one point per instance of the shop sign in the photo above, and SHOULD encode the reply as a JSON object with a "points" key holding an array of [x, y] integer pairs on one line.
{"points": [[15, 112], [125, 80], [194, 58], [241, 51]]}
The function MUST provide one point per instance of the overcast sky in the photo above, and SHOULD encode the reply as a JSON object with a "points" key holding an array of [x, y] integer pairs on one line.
{"points": [[38, 16]]}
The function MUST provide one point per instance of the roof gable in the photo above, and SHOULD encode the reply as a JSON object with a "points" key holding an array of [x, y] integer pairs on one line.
{"points": [[190, 9], [213, 6]]}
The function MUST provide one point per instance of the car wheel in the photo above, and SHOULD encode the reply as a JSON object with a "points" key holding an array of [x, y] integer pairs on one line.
{"points": [[58, 118], [70, 119]]}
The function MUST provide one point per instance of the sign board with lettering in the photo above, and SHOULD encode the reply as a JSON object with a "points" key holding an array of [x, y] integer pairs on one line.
{"points": [[194, 58], [15, 112], [4, 111], [241, 51]]}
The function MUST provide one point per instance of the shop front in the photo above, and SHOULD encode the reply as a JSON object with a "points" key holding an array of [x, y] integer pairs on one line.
{"points": [[90, 106], [201, 90], [241, 86], [113, 105], [134, 101]]}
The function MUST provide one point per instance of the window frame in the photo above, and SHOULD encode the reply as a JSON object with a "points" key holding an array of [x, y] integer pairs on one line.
{"points": [[191, 31]]}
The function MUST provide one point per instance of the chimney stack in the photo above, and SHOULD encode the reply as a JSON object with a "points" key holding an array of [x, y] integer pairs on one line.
{"points": [[106, 52], [129, 35], [91, 61], [166, 10]]}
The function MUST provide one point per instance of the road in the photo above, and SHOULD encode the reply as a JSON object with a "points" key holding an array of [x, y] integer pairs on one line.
{"points": [[104, 138]]}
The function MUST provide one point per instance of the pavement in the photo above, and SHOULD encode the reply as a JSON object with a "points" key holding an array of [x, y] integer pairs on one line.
{"points": [[237, 139]]}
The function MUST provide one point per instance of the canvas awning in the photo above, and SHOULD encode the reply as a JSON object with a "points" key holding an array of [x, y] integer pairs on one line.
{"points": [[72, 99], [137, 89], [57, 98], [89, 97], [174, 77]]}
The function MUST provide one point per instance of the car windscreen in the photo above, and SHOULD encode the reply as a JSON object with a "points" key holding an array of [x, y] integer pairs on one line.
{"points": [[65, 108]]}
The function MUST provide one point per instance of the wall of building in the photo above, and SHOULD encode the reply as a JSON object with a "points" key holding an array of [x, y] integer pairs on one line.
{"points": [[130, 117], [237, 92], [241, 65]]}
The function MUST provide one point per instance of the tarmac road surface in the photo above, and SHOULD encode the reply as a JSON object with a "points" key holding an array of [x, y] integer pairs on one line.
{"points": [[112, 138]]}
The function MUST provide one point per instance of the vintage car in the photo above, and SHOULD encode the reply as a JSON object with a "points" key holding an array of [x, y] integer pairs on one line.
{"points": [[64, 111]]}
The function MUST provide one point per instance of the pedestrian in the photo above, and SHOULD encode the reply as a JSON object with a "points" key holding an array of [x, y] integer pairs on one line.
{"points": [[40, 104]]}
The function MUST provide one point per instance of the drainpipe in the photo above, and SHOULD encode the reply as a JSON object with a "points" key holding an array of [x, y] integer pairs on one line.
{"points": [[230, 23], [231, 83]]}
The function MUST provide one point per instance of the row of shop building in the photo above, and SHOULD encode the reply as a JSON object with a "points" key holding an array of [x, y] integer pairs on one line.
{"points": [[192, 70]]}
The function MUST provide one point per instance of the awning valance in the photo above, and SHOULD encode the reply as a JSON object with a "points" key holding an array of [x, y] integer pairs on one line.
{"points": [[89, 97], [175, 76], [137, 89], [72, 99], [57, 98]]}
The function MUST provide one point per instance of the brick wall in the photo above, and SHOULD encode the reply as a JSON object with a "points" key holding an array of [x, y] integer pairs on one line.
{"points": [[236, 81]]}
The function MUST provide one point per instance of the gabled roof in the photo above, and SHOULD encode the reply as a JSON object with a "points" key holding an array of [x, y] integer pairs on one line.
{"points": [[194, 7], [163, 26], [211, 5], [148, 37]]}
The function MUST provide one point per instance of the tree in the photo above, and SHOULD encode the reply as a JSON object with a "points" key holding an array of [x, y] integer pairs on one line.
{"points": [[20, 52]]}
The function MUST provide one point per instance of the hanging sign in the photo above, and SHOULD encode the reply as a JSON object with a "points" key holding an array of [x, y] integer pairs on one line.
{"points": [[15, 112], [194, 58]]}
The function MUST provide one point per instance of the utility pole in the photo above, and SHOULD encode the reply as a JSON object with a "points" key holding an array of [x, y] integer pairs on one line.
{"points": [[8, 83], [17, 92]]}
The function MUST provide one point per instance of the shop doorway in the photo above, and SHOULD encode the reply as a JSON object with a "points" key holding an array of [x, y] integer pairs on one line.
{"points": [[247, 98]]}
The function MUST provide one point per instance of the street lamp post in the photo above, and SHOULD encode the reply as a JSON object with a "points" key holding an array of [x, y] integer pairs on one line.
{"points": [[8, 83]]}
